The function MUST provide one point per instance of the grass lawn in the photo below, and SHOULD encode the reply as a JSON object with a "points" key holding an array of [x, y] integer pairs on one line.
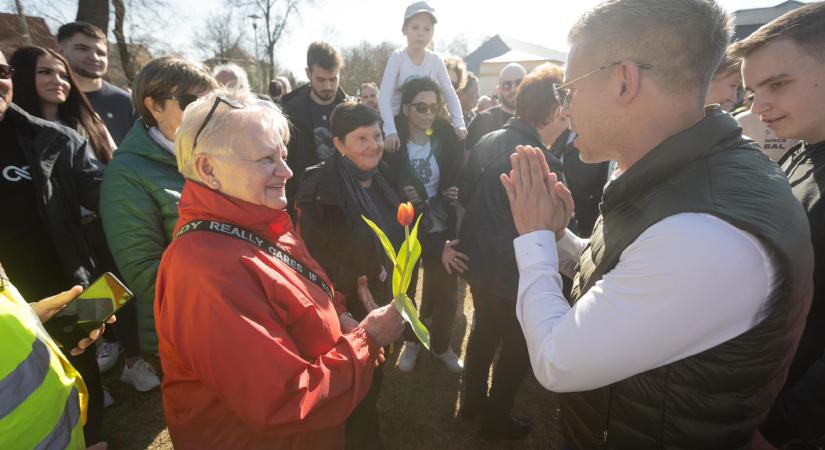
{"points": [[418, 409]]}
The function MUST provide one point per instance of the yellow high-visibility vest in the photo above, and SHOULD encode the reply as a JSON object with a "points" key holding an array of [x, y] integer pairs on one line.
{"points": [[42, 397]]}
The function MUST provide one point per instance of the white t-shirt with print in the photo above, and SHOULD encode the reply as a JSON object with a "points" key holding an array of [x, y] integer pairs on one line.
{"points": [[425, 166]]}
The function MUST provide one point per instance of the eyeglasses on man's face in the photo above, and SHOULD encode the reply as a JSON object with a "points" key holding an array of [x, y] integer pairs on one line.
{"points": [[562, 91]]}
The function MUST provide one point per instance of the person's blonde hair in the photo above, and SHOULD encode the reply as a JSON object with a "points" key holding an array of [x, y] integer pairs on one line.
{"points": [[226, 126]]}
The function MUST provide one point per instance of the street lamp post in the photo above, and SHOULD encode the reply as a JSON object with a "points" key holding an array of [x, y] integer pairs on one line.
{"points": [[254, 18]]}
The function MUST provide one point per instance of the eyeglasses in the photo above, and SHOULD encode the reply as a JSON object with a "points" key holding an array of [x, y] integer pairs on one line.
{"points": [[6, 71], [184, 100], [507, 85], [218, 100], [562, 92], [422, 107]]}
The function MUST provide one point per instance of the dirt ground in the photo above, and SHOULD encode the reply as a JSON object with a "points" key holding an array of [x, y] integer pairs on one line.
{"points": [[418, 409]]}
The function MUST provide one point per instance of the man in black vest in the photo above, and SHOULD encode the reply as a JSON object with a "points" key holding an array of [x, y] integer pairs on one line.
{"points": [[690, 297], [784, 68], [486, 236]]}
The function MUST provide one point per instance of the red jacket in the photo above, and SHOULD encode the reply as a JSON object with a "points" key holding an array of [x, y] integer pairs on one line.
{"points": [[252, 352]]}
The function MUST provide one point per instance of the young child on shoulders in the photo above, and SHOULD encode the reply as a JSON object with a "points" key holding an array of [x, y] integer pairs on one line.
{"points": [[416, 61]]}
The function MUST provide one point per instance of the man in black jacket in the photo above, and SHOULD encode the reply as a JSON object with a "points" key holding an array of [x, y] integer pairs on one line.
{"points": [[494, 118], [486, 236], [309, 109], [46, 175], [783, 64]]}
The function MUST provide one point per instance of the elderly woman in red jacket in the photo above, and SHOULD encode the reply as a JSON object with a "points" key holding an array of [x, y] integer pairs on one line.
{"points": [[257, 348]]}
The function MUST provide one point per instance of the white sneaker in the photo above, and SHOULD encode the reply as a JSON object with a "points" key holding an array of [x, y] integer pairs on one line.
{"points": [[451, 361], [406, 362], [141, 375], [107, 354], [108, 400]]}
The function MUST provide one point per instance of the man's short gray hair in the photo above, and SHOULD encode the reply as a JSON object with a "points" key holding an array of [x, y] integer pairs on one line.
{"points": [[226, 127], [684, 40], [237, 71]]}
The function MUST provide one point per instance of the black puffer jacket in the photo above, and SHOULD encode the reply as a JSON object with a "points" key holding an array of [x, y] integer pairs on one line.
{"points": [[487, 230], [65, 178]]}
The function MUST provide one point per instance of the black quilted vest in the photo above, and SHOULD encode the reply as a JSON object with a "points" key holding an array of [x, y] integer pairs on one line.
{"points": [[717, 398]]}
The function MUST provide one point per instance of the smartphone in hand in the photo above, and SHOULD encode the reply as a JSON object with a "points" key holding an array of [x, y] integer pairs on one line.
{"points": [[88, 311]]}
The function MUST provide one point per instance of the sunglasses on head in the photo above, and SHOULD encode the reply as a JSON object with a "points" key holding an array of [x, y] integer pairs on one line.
{"points": [[422, 107], [6, 71], [218, 100], [507, 85]]}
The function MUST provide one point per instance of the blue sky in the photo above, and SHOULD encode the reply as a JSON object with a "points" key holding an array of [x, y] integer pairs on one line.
{"points": [[347, 22]]}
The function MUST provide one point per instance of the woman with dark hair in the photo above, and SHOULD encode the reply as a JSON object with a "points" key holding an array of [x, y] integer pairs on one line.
{"points": [[332, 198], [425, 171], [44, 86]]}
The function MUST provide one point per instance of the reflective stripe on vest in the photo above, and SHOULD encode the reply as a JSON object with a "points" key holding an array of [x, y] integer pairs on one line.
{"points": [[42, 397], [17, 386], [61, 434]]}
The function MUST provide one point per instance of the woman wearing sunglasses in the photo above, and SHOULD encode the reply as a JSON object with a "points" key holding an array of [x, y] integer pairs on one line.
{"points": [[425, 171], [44, 86], [142, 185]]}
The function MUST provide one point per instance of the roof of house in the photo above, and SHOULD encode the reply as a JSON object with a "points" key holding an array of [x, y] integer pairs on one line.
{"points": [[11, 33], [761, 16], [501, 48]]}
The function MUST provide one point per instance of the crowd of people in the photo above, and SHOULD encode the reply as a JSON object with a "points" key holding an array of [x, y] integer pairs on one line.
{"points": [[640, 228]]}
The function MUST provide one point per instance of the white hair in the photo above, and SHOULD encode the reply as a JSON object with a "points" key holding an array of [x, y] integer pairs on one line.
{"points": [[226, 127], [242, 79]]}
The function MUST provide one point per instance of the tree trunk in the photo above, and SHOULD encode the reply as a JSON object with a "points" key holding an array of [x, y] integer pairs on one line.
{"points": [[95, 12], [24, 24], [122, 47]]}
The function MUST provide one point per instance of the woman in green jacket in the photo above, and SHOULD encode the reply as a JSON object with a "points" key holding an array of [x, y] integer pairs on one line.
{"points": [[142, 185]]}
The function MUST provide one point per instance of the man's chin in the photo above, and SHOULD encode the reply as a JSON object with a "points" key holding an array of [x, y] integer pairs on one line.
{"points": [[88, 74]]}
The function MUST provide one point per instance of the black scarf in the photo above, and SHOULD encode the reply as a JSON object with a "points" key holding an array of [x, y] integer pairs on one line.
{"points": [[351, 175]]}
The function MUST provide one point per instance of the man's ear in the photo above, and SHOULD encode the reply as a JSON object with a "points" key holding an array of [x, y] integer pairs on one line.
{"points": [[629, 77], [309, 74]]}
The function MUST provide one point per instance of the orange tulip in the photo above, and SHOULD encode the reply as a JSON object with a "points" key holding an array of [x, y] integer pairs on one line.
{"points": [[406, 212]]}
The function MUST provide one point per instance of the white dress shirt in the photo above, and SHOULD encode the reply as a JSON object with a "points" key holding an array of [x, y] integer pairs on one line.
{"points": [[687, 284]]}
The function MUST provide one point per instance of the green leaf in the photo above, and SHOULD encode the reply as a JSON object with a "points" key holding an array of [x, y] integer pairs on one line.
{"points": [[383, 238], [410, 314], [408, 255]]}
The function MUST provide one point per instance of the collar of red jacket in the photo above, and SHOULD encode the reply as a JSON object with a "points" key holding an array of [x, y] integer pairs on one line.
{"points": [[198, 202]]}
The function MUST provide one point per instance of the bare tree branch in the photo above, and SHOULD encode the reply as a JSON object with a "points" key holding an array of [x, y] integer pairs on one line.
{"points": [[123, 48], [275, 15]]}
